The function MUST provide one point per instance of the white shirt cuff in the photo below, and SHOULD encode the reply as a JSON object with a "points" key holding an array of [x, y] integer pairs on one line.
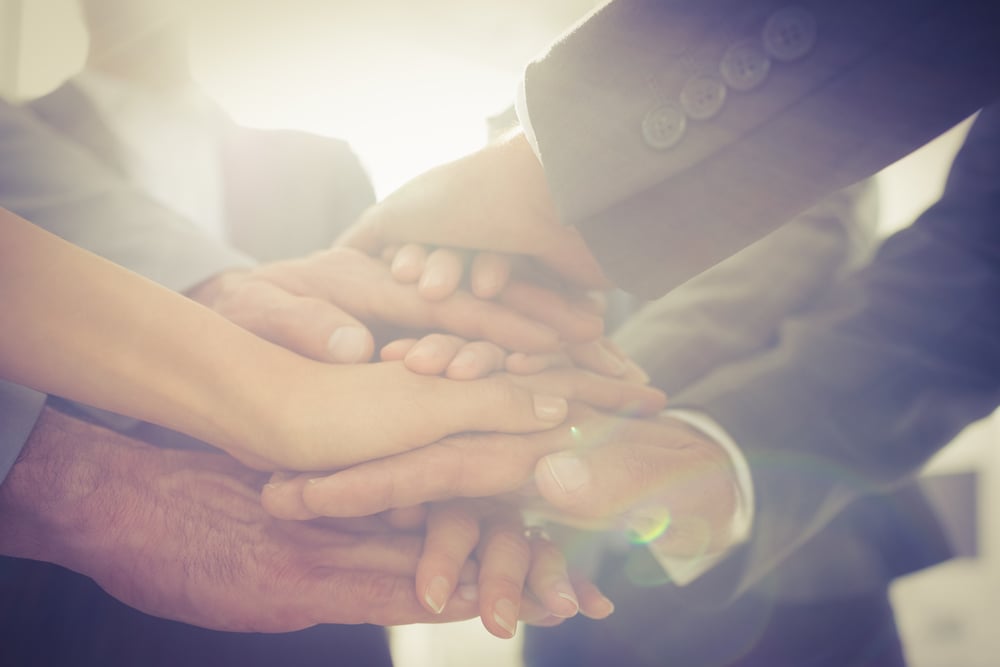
{"points": [[523, 119], [682, 570]]}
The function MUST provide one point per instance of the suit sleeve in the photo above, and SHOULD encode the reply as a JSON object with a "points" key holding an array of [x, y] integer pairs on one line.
{"points": [[734, 309], [56, 185], [898, 359], [675, 132]]}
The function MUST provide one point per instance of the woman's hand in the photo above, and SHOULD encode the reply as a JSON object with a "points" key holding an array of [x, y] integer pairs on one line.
{"points": [[521, 574], [314, 416]]}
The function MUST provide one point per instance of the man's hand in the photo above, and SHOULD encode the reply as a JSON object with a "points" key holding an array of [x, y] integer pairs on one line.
{"points": [[182, 535], [656, 475], [323, 306], [495, 199]]}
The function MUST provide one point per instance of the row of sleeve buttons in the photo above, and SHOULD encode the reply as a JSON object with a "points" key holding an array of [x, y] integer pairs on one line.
{"points": [[788, 35]]}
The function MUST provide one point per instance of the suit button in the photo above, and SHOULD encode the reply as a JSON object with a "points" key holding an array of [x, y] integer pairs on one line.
{"points": [[702, 97], [789, 34], [663, 126], [744, 66]]}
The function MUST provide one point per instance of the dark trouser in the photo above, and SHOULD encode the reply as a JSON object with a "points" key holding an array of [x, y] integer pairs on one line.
{"points": [[825, 606], [50, 616], [752, 632]]}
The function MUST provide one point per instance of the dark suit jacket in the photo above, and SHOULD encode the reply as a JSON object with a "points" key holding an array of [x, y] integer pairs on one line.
{"points": [[734, 115], [286, 193], [891, 366]]}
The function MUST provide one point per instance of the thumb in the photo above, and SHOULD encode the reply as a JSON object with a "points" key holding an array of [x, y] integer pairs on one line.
{"points": [[309, 326], [495, 404]]}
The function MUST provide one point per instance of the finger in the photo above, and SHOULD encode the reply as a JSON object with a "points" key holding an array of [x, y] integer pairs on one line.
{"points": [[389, 253], [282, 497], [397, 349], [476, 319], [593, 603], [407, 518], [312, 327], [529, 364], [489, 274], [606, 393], [595, 302], [533, 612], [604, 357], [548, 580], [442, 274], [409, 262], [677, 490], [475, 465], [338, 595], [432, 354], [504, 562], [452, 534], [552, 309], [476, 360]]}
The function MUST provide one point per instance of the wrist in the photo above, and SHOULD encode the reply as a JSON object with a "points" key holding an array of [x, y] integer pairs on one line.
{"points": [[64, 468]]}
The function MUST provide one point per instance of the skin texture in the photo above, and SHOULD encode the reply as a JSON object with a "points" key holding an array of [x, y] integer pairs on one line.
{"points": [[181, 535], [97, 333], [502, 189], [591, 474]]}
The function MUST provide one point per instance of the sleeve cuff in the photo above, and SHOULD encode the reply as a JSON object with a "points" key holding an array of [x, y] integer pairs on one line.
{"points": [[524, 120]]}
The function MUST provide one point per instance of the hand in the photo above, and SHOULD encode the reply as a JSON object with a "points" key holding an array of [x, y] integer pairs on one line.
{"points": [[459, 359], [439, 272], [447, 355], [326, 416], [510, 560], [603, 472], [181, 535], [659, 479], [321, 307], [495, 199]]}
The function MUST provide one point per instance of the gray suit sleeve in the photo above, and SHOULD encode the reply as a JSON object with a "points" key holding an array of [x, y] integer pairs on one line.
{"points": [[56, 185], [735, 308], [674, 133], [898, 359]]}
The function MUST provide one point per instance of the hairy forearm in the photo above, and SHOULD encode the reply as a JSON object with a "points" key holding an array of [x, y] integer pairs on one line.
{"points": [[83, 328]]}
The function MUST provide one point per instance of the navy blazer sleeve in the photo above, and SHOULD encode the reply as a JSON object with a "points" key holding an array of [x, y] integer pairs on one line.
{"points": [[893, 365], [675, 132]]}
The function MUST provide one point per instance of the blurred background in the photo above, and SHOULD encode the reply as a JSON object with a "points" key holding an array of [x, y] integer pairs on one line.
{"points": [[410, 85]]}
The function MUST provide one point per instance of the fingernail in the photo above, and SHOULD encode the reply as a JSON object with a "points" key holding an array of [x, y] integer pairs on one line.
{"points": [[647, 523], [468, 592], [505, 615], [565, 591], [636, 372], [609, 606], [431, 279], [436, 594], [278, 478], [464, 360], [611, 361], [348, 345], [550, 408], [404, 265], [485, 286], [568, 471]]}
